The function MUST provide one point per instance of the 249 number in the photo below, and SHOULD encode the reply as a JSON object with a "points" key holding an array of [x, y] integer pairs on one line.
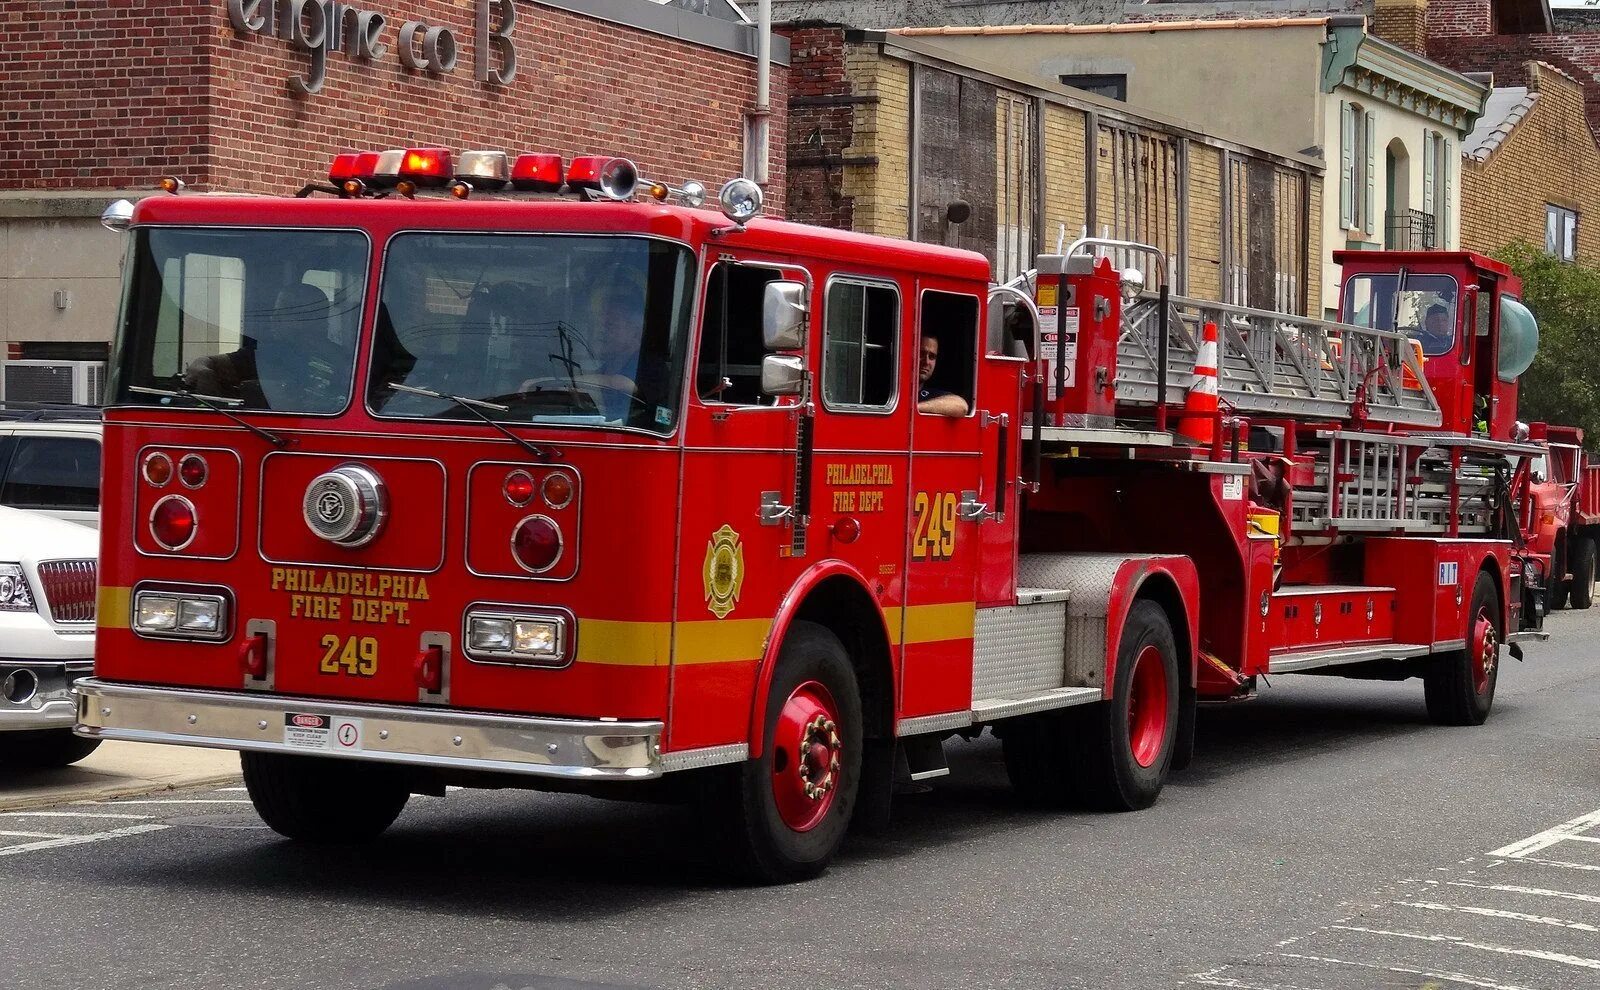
{"points": [[349, 655], [935, 538]]}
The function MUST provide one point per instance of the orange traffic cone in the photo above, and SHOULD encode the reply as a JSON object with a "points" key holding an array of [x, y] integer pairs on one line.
{"points": [[1199, 419]]}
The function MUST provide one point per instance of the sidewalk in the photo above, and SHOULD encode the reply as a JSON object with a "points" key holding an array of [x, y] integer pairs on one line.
{"points": [[118, 769]]}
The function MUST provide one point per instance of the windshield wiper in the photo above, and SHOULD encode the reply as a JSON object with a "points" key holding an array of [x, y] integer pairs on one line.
{"points": [[472, 406], [213, 403]]}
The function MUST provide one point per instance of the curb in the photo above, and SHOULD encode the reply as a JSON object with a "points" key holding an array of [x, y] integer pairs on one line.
{"points": [[109, 792]]}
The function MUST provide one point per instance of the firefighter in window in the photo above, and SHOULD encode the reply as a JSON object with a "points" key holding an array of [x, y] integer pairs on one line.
{"points": [[931, 398], [1436, 334], [287, 362]]}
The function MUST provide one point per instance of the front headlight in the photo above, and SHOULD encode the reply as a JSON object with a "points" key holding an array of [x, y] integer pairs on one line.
{"points": [[536, 639], [15, 595], [180, 614]]}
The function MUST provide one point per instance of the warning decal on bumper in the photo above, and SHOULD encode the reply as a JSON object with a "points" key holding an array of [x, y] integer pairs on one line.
{"points": [[322, 733]]}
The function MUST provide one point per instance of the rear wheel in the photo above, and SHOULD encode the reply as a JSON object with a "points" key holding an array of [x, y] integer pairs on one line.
{"points": [[788, 810], [44, 749], [320, 800], [1583, 564], [1125, 746], [1459, 687]]}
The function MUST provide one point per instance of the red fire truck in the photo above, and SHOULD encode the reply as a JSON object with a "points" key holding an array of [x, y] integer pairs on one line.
{"points": [[444, 476], [1561, 517]]}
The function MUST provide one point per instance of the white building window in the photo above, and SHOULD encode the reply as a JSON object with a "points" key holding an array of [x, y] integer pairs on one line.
{"points": [[1357, 143], [1436, 151], [1561, 232]]}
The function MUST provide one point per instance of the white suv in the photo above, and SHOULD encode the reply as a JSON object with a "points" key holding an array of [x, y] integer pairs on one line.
{"points": [[50, 462], [47, 604]]}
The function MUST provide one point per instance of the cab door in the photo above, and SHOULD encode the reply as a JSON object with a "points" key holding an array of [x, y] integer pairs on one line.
{"points": [[948, 506]]}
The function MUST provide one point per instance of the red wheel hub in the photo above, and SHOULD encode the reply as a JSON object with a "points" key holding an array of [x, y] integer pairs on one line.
{"points": [[1147, 707], [806, 751], [1485, 651]]}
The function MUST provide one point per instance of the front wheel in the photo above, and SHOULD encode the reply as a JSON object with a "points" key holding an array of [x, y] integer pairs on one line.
{"points": [[1459, 686], [44, 749], [1583, 565], [788, 810], [320, 800]]}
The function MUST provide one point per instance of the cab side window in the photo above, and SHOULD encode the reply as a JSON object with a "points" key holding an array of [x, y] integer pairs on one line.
{"points": [[860, 342], [729, 369], [52, 473], [949, 331]]}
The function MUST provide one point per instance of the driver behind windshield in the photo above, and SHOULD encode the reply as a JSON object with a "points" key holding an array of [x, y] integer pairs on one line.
{"points": [[612, 361], [275, 357], [1436, 334]]}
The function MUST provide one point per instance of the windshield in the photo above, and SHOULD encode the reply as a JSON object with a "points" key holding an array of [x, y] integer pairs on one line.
{"points": [[1426, 311], [263, 319], [558, 329]]}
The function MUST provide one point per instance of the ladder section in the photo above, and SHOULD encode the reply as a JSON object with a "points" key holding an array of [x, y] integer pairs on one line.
{"points": [[1276, 364], [1378, 482]]}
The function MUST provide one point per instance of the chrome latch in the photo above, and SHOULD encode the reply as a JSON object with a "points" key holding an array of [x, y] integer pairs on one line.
{"points": [[773, 511], [973, 510]]}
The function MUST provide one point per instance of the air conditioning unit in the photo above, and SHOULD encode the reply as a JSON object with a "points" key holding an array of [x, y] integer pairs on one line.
{"points": [[79, 382]]}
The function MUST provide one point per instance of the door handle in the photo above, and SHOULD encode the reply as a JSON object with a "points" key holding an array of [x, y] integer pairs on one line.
{"points": [[973, 510]]}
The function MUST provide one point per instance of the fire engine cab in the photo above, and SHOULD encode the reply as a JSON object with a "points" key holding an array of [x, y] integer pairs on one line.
{"points": [[465, 470]]}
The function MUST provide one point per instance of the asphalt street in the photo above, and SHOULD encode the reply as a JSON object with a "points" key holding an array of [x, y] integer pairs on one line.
{"points": [[1327, 838]]}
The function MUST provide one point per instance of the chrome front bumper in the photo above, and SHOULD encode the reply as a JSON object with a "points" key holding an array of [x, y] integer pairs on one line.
{"points": [[42, 691], [411, 735]]}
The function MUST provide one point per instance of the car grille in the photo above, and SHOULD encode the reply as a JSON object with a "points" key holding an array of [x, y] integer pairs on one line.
{"points": [[69, 588]]}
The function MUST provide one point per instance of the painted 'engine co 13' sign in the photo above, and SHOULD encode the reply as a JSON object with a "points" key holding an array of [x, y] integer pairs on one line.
{"points": [[321, 27]]}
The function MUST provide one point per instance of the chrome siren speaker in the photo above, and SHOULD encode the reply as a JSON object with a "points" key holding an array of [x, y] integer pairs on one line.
{"points": [[347, 505], [619, 179]]}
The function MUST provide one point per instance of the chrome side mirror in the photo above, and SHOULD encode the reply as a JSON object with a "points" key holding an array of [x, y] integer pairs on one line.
{"points": [[783, 316], [1132, 283], [118, 217], [782, 374]]}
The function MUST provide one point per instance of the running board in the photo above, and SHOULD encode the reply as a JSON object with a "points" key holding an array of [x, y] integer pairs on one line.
{"points": [[994, 709], [1288, 663]]}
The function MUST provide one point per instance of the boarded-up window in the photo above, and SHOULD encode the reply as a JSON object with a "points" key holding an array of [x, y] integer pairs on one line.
{"points": [[1139, 190], [955, 161], [1265, 242]]}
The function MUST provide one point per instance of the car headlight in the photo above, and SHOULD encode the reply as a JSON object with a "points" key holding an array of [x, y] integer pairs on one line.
{"points": [[170, 614], [15, 596], [535, 639]]}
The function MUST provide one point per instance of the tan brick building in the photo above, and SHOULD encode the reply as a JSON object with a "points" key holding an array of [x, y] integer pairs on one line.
{"points": [[895, 135], [1531, 170]]}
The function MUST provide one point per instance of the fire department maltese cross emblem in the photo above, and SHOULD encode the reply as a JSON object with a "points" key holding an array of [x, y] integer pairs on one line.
{"points": [[724, 571]]}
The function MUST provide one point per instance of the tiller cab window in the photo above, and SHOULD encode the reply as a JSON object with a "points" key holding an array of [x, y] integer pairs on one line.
{"points": [[1421, 306], [532, 328], [252, 319]]}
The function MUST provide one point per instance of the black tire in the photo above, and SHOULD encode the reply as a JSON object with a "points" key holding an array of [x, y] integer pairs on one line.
{"points": [[1106, 772], [321, 800], [1583, 561], [44, 749], [1559, 586], [765, 847], [1183, 746], [1451, 686]]}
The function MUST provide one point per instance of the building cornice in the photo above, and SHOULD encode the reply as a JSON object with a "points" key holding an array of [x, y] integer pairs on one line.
{"points": [[1402, 79]]}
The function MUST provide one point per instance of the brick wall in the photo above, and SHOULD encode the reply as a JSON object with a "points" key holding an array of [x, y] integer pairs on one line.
{"points": [[1403, 22], [821, 127], [1065, 164], [1461, 36], [1548, 157], [1204, 270], [118, 94], [879, 178]]}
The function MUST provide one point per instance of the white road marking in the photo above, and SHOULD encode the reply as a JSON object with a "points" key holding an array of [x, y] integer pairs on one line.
{"points": [[1469, 980], [230, 790], [1508, 950], [33, 835], [1536, 919], [1210, 980], [1591, 867], [185, 801], [1511, 888], [78, 840], [1549, 837], [69, 814]]}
